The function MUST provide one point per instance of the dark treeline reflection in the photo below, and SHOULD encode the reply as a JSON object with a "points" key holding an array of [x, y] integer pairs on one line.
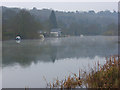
{"points": [[51, 49]]}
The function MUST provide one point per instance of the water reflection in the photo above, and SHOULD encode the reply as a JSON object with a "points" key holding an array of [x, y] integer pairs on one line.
{"points": [[18, 41], [51, 49]]}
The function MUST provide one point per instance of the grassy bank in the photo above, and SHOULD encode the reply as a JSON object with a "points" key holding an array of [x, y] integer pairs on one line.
{"points": [[101, 76]]}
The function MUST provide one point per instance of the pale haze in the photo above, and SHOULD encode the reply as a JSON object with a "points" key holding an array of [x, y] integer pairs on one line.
{"points": [[66, 6]]}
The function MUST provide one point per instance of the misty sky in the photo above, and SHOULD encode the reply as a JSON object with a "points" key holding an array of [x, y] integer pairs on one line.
{"points": [[66, 6]]}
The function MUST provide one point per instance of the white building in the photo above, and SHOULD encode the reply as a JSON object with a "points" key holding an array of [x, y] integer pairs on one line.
{"points": [[55, 32]]}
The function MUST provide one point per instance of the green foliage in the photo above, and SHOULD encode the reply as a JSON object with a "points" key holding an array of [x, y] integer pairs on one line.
{"points": [[52, 19], [28, 22], [23, 24], [112, 29]]}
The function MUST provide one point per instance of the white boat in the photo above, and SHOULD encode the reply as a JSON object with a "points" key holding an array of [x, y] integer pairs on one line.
{"points": [[18, 38], [81, 35]]}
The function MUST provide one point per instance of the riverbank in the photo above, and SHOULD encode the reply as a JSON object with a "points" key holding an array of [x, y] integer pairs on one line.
{"points": [[105, 76]]}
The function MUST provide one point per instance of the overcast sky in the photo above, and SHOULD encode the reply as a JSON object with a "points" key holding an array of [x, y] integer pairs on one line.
{"points": [[65, 6], [59, 0]]}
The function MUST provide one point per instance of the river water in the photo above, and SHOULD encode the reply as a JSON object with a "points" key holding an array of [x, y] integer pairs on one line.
{"points": [[32, 63]]}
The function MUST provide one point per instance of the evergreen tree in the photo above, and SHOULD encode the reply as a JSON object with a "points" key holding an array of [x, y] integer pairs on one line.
{"points": [[52, 19]]}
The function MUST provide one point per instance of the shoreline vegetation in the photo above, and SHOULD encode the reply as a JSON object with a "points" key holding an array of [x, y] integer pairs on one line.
{"points": [[101, 76], [36, 23]]}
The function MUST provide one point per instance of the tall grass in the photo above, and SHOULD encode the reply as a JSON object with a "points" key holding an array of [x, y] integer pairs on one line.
{"points": [[105, 76], [69, 82]]}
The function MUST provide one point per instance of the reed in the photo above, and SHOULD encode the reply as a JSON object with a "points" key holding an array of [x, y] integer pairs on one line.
{"points": [[69, 82], [106, 76], [101, 76]]}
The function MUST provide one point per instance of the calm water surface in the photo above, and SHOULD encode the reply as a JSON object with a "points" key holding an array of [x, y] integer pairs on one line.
{"points": [[30, 62], [0, 64]]}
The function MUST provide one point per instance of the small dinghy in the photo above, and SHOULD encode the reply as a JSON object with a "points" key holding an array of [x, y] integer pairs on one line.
{"points": [[18, 39], [81, 35]]}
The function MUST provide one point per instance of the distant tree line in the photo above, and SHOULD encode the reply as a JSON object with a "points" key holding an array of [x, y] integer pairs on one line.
{"points": [[27, 23], [22, 24]]}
